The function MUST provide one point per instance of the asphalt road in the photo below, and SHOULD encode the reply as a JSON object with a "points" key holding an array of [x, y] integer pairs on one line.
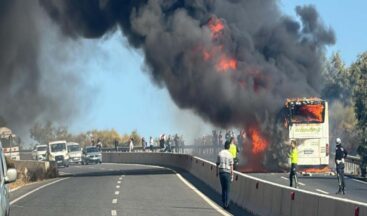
{"points": [[321, 183], [115, 189]]}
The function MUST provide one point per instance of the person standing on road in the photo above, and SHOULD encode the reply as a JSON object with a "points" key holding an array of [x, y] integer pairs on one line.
{"points": [[225, 172], [233, 149], [151, 144], [116, 144], [294, 161], [340, 154], [131, 145]]}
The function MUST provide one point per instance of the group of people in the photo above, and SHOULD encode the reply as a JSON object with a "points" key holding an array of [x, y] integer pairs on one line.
{"points": [[166, 143], [340, 155], [226, 164]]}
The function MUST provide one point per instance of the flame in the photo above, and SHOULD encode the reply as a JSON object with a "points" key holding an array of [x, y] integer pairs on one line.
{"points": [[325, 169], [254, 148], [312, 111], [259, 143], [226, 63], [216, 26]]}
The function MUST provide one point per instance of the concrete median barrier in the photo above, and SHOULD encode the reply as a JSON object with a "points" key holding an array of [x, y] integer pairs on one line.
{"points": [[255, 195]]}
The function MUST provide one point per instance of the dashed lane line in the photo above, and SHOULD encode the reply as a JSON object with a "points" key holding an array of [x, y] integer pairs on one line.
{"points": [[117, 192], [113, 212], [284, 178], [114, 201], [118, 182], [36, 189], [300, 183], [321, 191], [117, 186]]}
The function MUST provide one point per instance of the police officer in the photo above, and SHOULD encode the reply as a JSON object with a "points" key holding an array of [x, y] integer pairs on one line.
{"points": [[340, 155], [293, 155]]}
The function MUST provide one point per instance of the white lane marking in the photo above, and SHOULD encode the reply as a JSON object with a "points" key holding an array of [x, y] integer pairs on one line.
{"points": [[358, 181], [120, 178], [321, 191], [205, 198], [117, 186], [114, 201], [113, 212], [34, 190], [118, 182], [117, 192], [300, 183]]}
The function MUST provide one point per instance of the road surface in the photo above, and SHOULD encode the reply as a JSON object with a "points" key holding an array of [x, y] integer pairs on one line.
{"points": [[115, 189]]}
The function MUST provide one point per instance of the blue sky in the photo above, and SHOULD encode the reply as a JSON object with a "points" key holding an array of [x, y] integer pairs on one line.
{"points": [[126, 99]]}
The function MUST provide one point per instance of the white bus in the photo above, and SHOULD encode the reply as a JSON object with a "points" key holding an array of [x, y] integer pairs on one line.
{"points": [[10, 143], [308, 124]]}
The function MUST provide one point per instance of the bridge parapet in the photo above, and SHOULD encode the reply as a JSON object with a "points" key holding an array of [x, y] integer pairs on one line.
{"points": [[255, 195]]}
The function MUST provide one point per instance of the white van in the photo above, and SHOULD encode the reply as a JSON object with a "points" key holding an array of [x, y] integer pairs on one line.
{"points": [[57, 152], [39, 152], [75, 152]]}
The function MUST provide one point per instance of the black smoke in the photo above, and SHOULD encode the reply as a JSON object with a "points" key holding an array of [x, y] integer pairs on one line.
{"points": [[30, 90], [278, 57]]}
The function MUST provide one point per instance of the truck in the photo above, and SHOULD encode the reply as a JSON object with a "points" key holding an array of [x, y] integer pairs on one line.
{"points": [[10, 143]]}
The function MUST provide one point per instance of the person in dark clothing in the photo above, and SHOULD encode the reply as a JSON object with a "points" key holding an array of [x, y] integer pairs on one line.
{"points": [[116, 144], [340, 155]]}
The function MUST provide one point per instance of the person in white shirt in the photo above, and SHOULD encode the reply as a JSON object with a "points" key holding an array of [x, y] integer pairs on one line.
{"points": [[225, 172], [151, 143], [131, 145]]}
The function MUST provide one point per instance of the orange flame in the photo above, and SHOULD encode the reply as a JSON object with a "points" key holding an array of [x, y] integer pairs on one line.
{"points": [[216, 26], [312, 111], [325, 169], [259, 143], [226, 63]]}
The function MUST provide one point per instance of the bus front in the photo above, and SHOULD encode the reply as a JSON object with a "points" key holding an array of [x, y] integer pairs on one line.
{"points": [[308, 124]]}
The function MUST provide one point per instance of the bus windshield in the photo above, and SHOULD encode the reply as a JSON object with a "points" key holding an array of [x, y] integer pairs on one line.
{"points": [[307, 113]]}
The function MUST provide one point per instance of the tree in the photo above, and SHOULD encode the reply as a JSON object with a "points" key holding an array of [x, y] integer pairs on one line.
{"points": [[337, 81], [359, 74], [43, 134]]}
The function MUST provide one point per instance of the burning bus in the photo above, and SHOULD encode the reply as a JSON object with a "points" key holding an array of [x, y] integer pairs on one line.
{"points": [[10, 143], [307, 122]]}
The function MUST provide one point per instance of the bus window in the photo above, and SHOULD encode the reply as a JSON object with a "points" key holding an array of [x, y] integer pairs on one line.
{"points": [[307, 113]]}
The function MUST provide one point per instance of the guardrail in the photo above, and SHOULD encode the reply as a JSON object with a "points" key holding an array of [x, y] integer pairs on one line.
{"points": [[256, 195], [352, 165]]}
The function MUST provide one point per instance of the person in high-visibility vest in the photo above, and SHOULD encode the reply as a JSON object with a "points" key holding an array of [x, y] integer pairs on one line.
{"points": [[294, 161], [233, 149]]}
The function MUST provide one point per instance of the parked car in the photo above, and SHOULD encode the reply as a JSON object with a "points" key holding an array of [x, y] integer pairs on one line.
{"points": [[57, 152], [91, 154], [75, 153], [40, 153], [9, 175]]}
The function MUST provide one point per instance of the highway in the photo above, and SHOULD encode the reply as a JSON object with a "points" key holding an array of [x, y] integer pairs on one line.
{"points": [[117, 189], [321, 183]]}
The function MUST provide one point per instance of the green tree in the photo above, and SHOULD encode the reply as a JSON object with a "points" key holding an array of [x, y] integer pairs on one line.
{"points": [[43, 134], [359, 74], [337, 80]]}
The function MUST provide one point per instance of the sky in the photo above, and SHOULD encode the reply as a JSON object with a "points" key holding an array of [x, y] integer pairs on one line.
{"points": [[125, 99]]}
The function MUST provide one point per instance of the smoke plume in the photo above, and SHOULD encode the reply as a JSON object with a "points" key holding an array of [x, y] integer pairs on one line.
{"points": [[32, 86], [263, 58]]}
